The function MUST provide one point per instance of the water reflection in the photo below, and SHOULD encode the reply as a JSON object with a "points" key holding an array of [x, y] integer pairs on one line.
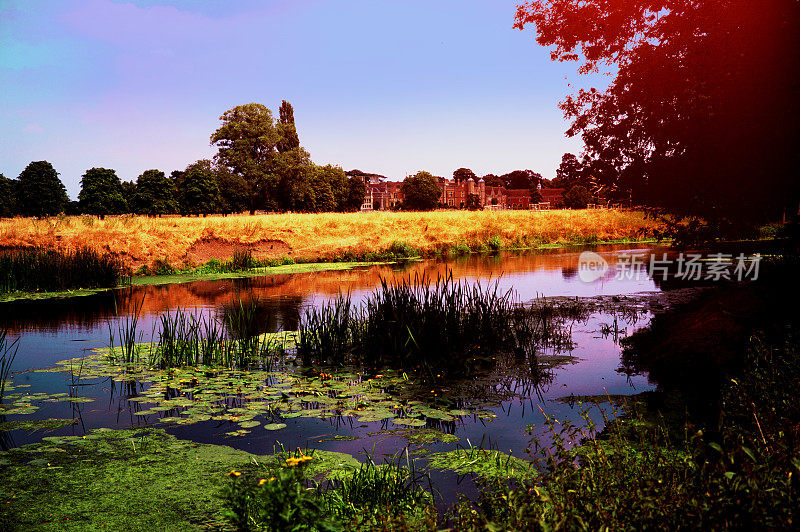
{"points": [[531, 275]]}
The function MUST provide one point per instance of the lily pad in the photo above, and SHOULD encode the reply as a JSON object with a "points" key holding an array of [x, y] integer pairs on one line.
{"points": [[275, 426]]}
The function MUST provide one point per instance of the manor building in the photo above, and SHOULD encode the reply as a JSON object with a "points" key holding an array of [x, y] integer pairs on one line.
{"points": [[382, 195]]}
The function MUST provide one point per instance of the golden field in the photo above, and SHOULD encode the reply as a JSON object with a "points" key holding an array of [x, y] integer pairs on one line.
{"points": [[140, 240]]}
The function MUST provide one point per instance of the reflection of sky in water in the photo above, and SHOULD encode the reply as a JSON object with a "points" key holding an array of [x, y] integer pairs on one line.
{"points": [[67, 332]]}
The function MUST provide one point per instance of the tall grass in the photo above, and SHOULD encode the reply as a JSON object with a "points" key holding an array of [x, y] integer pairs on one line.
{"points": [[8, 351], [142, 240], [32, 269], [393, 488], [433, 326]]}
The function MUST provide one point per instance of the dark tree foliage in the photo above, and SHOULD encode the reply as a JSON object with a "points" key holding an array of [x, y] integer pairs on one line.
{"points": [[39, 190], [129, 195], [318, 189], [155, 194], [492, 180], [232, 190], [247, 141], [700, 121], [356, 192], [577, 197], [521, 179], [197, 188], [462, 174], [473, 202], [570, 173], [421, 192], [101, 193], [8, 197], [286, 129], [295, 190]]}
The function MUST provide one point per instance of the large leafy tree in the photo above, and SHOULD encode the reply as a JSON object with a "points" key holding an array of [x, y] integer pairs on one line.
{"points": [[8, 197], [570, 173], [421, 192], [247, 142], [356, 192], [39, 190], [155, 194], [101, 193], [700, 120], [197, 188]]}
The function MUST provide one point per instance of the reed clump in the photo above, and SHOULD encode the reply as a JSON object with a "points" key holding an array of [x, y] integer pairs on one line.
{"points": [[434, 327], [187, 339], [8, 351], [38, 269]]}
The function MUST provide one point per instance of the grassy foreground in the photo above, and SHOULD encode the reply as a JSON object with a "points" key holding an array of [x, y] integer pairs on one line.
{"points": [[140, 241]]}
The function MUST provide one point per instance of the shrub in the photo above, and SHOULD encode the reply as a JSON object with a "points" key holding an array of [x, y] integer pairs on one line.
{"points": [[494, 243], [162, 267], [402, 250]]}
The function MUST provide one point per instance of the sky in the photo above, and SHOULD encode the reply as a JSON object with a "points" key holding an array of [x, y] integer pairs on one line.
{"points": [[390, 87]]}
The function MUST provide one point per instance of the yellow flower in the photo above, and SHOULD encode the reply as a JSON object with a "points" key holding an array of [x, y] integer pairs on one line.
{"points": [[263, 481], [234, 474], [291, 462]]}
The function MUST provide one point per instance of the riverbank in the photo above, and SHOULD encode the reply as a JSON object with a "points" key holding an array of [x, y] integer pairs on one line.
{"points": [[187, 242]]}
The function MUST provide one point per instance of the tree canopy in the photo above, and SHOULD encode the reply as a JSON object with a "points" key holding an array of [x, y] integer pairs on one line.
{"points": [[101, 193], [421, 192], [155, 194], [197, 188], [8, 197], [577, 197], [39, 190], [570, 173], [356, 192], [247, 142], [462, 174], [700, 120]]}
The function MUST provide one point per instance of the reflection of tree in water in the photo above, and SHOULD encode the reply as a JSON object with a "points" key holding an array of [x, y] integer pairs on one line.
{"points": [[50, 315], [270, 315], [569, 272], [693, 348]]}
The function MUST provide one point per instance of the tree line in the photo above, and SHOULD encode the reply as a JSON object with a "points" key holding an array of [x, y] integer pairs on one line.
{"points": [[259, 165]]}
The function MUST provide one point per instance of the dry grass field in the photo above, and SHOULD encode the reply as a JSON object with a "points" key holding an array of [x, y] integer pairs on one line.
{"points": [[189, 241]]}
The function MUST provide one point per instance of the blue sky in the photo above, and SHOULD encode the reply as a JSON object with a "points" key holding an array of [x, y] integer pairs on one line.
{"points": [[385, 86]]}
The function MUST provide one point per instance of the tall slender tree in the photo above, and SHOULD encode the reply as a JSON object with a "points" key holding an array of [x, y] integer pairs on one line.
{"points": [[286, 128]]}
